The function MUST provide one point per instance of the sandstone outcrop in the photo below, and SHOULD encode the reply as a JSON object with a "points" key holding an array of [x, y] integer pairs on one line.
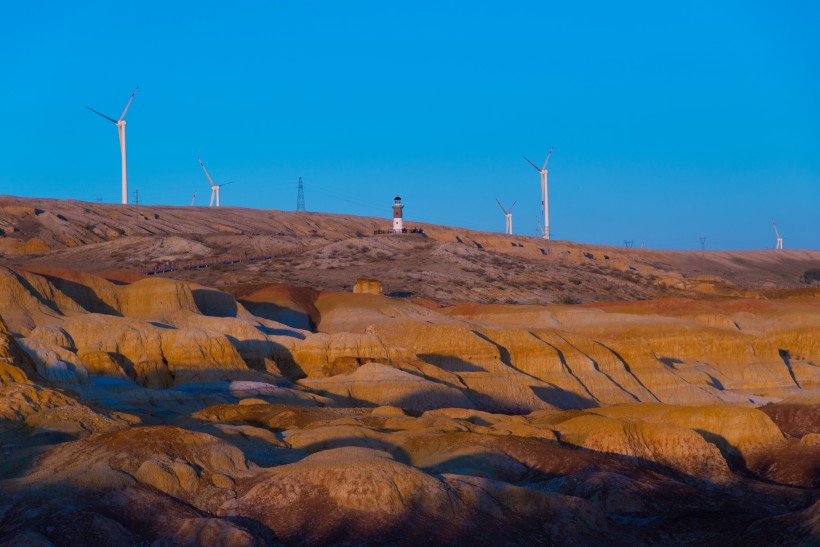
{"points": [[381, 385], [164, 411], [29, 408], [345, 485], [669, 445], [194, 467], [795, 416], [795, 463], [736, 431], [15, 364], [367, 286], [160, 332]]}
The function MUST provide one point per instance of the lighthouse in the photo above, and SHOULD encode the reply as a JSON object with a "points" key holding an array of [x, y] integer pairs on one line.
{"points": [[398, 222]]}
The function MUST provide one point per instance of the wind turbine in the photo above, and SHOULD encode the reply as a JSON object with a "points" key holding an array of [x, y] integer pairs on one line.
{"points": [[545, 207], [193, 199], [507, 216], [777, 235], [214, 187], [121, 133]]}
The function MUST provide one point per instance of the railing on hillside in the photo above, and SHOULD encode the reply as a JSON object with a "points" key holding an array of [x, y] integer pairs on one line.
{"points": [[418, 231], [175, 265]]}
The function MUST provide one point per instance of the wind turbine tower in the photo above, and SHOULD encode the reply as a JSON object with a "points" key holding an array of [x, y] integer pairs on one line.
{"points": [[779, 244], [545, 207], [507, 216], [121, 133], [214, 187]]}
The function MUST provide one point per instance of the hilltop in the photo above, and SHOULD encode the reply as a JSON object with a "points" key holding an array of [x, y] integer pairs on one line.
{"points": [[448, 265]]}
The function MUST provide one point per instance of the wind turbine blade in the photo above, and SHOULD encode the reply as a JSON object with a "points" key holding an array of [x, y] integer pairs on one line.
{"points": [[112, 120], [513, 205], [546, 161], [206, 173], [128, 104], [502, 207], [227, 183], [531, 163]]}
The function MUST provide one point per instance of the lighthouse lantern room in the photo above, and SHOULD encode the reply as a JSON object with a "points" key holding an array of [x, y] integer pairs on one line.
{"points": [[398, 222]]}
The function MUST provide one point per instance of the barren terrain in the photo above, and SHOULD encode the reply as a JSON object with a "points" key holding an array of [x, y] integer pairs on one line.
{"points": [[500, 390]]}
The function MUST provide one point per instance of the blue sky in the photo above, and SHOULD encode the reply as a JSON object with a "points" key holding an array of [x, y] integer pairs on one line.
{"points": [[670, 121]]}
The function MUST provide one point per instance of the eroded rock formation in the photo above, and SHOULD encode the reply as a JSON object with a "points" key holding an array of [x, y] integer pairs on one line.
{"points": [[160, 410]]}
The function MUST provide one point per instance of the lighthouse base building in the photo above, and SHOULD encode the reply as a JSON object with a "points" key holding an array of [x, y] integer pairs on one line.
{"points": [[398, 221]]}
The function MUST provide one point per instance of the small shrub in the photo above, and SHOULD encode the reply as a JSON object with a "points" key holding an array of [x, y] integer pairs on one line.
{"points": [[811, 275], [568, 300]]}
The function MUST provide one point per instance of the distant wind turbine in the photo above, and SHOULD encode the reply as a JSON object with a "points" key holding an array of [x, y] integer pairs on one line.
{"points": [[121, 132], [193, 199], [779, 244], [545, 207], [214, 187], [507, 216]]}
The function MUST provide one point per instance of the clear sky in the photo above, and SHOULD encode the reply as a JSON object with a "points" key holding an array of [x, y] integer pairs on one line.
{"points": [[670, 120]]}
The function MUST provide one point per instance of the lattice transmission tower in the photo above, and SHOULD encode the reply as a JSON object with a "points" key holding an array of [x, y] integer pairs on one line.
{"points": [[300, 197]]}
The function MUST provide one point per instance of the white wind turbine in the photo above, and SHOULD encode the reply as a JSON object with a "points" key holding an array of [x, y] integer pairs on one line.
{"points": [[545, 207], [507, 216], [121, 133], [214, 187], [779, 244]]}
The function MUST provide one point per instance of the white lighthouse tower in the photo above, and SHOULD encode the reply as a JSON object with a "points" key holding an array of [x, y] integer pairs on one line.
{"points": [[398, 221]]}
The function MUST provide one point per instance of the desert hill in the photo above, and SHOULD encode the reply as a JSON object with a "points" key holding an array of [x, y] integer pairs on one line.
{"points": [[263, 402], [449, 265]]}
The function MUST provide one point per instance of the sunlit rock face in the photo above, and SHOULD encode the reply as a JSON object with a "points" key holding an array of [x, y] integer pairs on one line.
{"points": [[227, 407]]}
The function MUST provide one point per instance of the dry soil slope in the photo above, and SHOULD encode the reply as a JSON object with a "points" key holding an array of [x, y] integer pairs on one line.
{"points": [[90, 236]]}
